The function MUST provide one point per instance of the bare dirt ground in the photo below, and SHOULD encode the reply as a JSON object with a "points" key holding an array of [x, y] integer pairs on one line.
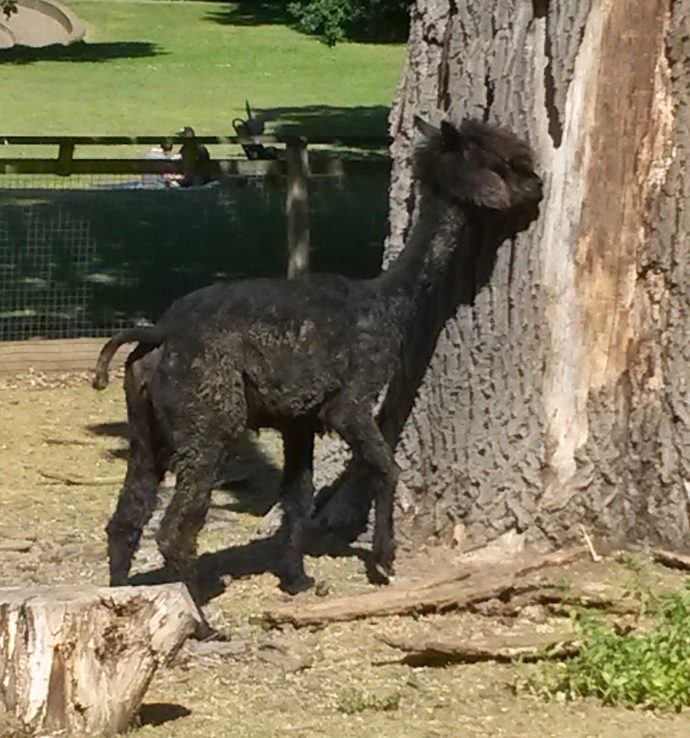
{"points": [[274, 683]]}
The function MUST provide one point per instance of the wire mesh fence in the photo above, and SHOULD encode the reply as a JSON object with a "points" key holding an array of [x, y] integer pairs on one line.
{"points": [[86, 255]]}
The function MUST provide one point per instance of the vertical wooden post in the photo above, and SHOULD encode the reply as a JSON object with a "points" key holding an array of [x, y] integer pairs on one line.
{"points": [[65, 158], [297, 207]]}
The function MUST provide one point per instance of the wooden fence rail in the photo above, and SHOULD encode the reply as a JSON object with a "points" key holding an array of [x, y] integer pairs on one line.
{"points": [[294, 160]]}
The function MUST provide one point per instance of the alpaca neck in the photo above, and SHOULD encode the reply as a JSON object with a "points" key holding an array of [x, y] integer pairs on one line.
{"points": [[428, 251]]}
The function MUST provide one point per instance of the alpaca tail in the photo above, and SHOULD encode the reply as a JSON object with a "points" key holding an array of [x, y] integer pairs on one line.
{"points": [[148, 334]]}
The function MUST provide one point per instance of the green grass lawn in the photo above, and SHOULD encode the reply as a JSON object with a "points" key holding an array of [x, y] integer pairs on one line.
{"points": [[152, 66]]}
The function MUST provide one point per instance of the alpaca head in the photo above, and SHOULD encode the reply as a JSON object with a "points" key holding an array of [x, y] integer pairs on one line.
{"points": [[478, 165]]}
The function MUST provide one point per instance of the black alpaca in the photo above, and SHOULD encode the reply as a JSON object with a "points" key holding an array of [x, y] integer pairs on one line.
{"points": [[301, 356]]}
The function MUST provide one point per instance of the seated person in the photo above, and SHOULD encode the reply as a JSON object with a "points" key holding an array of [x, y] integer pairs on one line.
{"points": [[156, 181], [196, 161]]}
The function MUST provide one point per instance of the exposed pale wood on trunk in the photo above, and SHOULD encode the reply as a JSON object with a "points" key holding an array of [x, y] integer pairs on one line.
{"points": [[79, 659], [455, 588]]}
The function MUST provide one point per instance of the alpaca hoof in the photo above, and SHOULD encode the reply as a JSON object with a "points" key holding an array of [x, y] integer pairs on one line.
{"points": [[205, 632], [379, 573], [295, 585]]}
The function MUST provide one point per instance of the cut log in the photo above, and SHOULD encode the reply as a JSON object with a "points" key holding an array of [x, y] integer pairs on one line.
{"points": [[447, 649], [79, 659], [672, 559], [457, 587]]}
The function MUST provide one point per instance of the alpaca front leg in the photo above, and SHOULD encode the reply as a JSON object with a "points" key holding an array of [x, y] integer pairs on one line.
{"points": [[296, 494], [383, 553], [371, 452]]}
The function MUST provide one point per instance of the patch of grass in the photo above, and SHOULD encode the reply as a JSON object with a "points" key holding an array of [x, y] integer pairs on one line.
{"points": [[354, 700], [152, 67], [650, 669]]}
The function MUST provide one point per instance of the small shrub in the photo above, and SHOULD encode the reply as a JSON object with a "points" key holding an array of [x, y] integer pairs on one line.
{"points": [[336, 20], [649, 669], [354, 700]]}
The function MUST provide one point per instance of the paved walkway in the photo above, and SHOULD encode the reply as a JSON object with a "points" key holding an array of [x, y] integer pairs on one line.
{"points": [[31, 26]]}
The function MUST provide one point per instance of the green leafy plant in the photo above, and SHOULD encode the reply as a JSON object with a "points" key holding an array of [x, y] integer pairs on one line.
{"points": [[336, 20], [649, 669], [355, 700]]}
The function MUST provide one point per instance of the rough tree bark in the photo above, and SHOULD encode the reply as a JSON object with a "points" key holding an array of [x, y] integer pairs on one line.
{"points": [[558, 394]]}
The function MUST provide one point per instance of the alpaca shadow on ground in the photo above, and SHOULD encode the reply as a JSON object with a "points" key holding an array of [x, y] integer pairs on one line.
{"points": [[158, 713], [256, 557], [118, 429], [249, 477], [80, 52]]}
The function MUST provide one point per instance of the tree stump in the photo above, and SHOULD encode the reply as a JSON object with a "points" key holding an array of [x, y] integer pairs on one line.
{"points": [[79, 659]]}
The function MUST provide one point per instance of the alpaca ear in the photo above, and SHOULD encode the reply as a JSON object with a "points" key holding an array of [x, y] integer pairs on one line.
{"points": [[426, 129], [451, 136], [482, 188], [491, 191]]}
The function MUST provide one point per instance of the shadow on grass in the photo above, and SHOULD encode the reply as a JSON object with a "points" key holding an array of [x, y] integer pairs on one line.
{"points": [[251, 13], [158, 713], [80, 52], [328, 120]]}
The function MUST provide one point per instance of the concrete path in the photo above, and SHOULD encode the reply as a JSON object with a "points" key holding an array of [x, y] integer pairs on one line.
{"points": [[39, 23]]}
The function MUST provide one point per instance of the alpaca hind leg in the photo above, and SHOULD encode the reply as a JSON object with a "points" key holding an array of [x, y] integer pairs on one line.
{"points": [[184, 518], [186, 514], [297, 492], [370, 450], [137, 499]]}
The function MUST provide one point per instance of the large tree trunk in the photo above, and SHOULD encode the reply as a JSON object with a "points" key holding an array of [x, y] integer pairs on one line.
{"points": [[559, 394]]}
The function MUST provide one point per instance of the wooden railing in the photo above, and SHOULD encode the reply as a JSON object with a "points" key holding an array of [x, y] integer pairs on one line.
{"points": [[293, 160]]}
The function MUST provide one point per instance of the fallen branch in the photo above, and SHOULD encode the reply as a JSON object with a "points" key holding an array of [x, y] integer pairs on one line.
{"points": [[672, 559], [78, 479], [529, 646], [559, 601], [456, 588]]}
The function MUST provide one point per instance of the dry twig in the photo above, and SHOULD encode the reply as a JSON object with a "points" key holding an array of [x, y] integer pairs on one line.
{"points": [[78, 479]]}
